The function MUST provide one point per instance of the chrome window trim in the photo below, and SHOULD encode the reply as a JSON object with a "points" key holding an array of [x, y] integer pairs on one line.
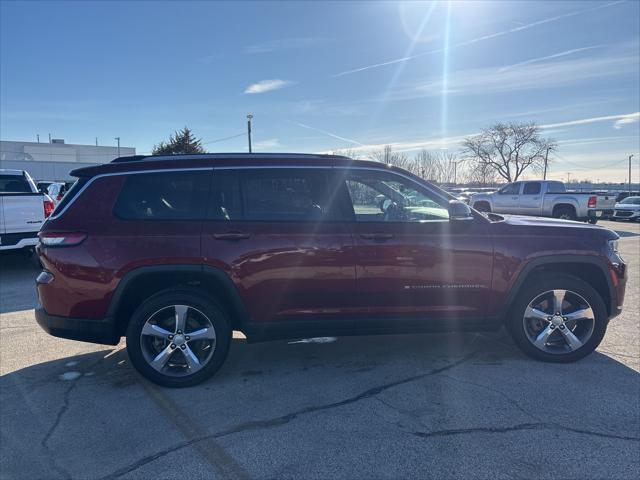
{"points": [[115, 174], [248, 167], [335, 167]]}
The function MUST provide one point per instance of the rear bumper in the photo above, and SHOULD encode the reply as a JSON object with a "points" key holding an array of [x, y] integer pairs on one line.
{"points": [[12, 241], [85, 330]]}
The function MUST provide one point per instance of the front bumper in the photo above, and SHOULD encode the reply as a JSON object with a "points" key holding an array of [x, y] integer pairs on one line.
{"points": [[626, 214], [85, 330]]}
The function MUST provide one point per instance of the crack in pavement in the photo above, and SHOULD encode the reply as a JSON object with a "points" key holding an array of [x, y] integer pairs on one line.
{"points": [[520, 427], [63, 410], [283, 419], [499, 392]]}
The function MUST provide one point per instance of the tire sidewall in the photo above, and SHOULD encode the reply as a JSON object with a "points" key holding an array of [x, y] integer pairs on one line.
{"points": [[178, 297], [565, 282]]}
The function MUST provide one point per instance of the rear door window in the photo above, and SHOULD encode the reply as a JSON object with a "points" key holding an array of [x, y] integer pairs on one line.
{"points": [[225, 201], [299, 195], [531, 188], [163, 196]]}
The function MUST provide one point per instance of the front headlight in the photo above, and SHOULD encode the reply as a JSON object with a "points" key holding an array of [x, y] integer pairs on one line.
{"points": [[613, 245]]}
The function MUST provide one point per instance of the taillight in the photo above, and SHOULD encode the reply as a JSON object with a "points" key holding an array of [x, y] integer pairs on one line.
{"points": [[60, 196], [61, 239], [48, 207], [592, 202]]}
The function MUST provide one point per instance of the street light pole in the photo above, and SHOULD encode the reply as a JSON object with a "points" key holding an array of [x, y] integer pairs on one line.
{"points": [[118, 139], [249, 117], [630, 174], [546, 159]]}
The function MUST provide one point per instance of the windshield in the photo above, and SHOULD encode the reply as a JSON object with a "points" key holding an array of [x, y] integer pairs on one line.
{"points": [[631, 201]]}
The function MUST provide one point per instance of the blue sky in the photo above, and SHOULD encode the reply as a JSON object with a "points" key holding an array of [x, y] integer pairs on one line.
{"points": [[326, 76]]}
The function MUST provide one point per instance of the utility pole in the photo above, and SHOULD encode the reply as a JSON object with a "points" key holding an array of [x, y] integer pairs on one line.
{"points": [[118, 139], [96, 141], [568, 177], [38, 137], [455, 173], [546, 160], [630, 174], [49, 138], [249, 117]]}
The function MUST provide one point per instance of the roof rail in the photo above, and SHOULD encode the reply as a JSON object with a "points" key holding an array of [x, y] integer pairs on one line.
{"points": [[191, 156]]}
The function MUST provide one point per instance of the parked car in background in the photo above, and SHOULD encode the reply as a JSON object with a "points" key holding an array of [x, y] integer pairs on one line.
{"points": [[627, 209], [23, 210], [57, 191], [546, 199], [465, 196], [622, 195], [175, 252], [43, 186]]}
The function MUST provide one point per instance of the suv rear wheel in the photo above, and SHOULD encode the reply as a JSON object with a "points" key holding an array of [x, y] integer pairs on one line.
{"points": [[558, 319], [178, 338]]}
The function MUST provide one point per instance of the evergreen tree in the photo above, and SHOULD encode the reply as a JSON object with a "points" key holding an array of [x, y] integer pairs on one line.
{"points": [[182, 141]]}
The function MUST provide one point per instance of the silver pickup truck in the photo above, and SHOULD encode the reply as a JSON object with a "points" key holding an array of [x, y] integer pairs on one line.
{"points": [[546, 199]]}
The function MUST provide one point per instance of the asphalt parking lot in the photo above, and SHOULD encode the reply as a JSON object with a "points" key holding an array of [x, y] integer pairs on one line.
{"points": [[428, 406]]}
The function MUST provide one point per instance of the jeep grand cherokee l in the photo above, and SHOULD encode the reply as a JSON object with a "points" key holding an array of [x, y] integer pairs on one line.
{"points": [[176, 252]]}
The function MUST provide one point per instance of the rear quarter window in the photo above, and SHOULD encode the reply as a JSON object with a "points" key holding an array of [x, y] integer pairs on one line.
{"points": [[163, 196], [14, 184]]}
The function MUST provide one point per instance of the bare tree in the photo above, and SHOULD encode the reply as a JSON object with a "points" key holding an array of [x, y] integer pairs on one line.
{"points": [[389, 157], [435, 166], [508, 149]]}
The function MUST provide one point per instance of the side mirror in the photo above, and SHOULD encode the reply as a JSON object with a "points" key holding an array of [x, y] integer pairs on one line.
{"points": [[459, 211]]}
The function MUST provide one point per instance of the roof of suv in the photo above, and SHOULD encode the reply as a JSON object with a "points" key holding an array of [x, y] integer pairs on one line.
{"points": [[208, 160]]}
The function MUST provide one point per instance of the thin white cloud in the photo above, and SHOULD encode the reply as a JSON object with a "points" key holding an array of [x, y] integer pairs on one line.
{"points": [[482, 38], [333, 135], [549, 57], [626, 121], [482, 81], [409, 145], [267, 144], [625, 118], [268, 86], [284, 44]]}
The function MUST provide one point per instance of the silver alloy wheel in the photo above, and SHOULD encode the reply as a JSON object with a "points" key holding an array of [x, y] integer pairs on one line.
{"points": [[559, 321], [178, 340]]}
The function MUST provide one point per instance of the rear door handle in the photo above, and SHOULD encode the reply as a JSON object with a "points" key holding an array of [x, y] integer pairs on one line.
{"points": [[376, 236], [231, 236]]}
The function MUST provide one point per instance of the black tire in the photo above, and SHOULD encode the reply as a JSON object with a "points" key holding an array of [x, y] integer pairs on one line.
{"points": [[482, 207], [193, 299], [566, 212], [533, 289]]}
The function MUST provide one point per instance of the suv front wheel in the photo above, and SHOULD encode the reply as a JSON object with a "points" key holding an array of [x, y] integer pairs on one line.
{"points": [[558, 319], [178, 338]]}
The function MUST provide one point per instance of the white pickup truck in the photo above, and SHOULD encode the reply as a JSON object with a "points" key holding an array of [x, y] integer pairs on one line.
{"points": [[544, 199], [23, 210]]}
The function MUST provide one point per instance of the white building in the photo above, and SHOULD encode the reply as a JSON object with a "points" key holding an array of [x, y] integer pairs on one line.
{"points": [[54, 161]]}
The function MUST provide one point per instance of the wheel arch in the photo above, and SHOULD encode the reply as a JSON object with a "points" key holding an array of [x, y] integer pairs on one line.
{"points": [[142, 282], [590, 269], [564, 204]]}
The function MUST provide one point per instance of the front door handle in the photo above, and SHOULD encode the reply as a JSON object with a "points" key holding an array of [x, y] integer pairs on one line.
{"points": [[231, 236], [376, 236]]}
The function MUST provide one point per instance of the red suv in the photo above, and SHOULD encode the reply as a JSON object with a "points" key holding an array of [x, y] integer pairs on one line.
{"points": [[176, 252]]}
